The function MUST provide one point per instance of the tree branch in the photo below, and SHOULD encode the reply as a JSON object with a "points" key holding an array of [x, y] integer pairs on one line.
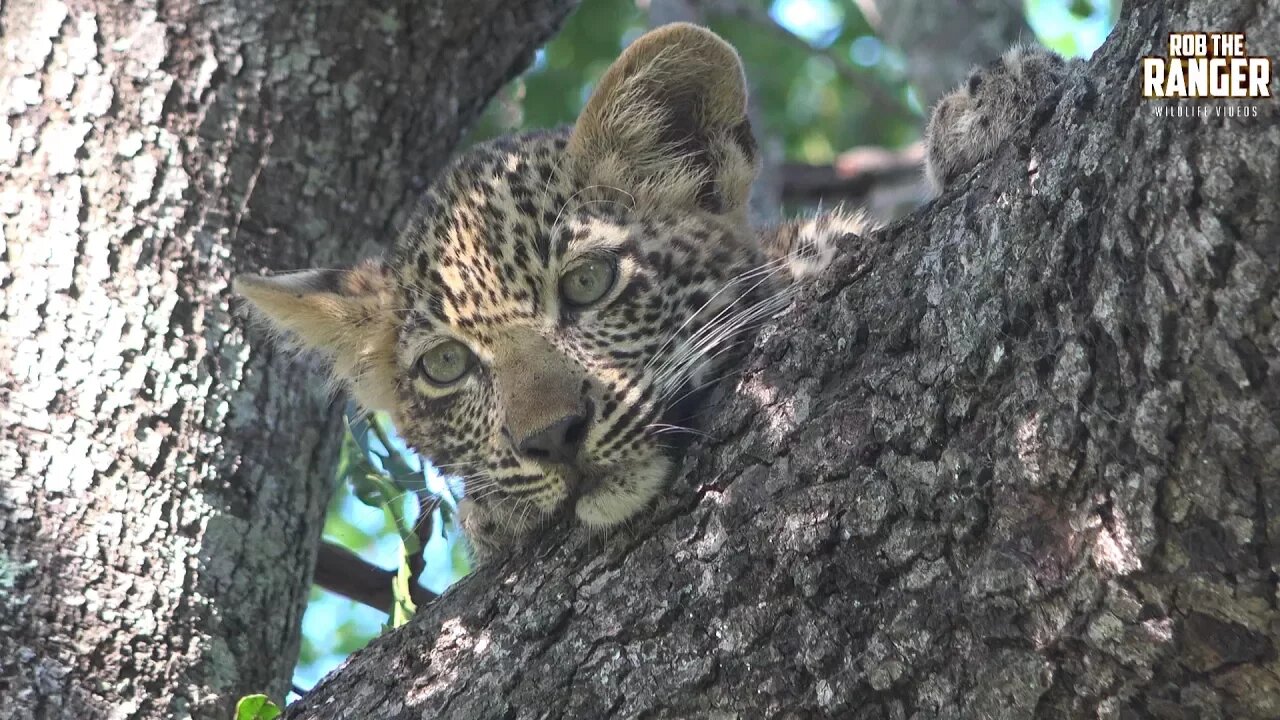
{"points": [[1011, 458], [343, 572], [863, 177]]}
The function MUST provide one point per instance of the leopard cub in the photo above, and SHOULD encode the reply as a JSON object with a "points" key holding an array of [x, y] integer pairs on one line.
{"points": [[548, 325]]}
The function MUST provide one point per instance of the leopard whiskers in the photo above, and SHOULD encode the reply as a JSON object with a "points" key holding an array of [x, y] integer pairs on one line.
{"points": [[728, 336], [526, 508], [726, 315], [702, 385], [559, 213], [767, 268], [486, 492], [419, 492], [668, 429], [715, 335], [682, 379], [720, 339]]}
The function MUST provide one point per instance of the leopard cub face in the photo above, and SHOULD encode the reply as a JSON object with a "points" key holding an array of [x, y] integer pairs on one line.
{"points": [[558, 330], [546, 326]]}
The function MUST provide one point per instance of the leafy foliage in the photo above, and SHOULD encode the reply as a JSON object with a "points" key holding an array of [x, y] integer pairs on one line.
{"points": [[386, 508], [256, 707], [802, 98]]}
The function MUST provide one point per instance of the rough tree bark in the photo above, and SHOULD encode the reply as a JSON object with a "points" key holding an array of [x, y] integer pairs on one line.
{"points": [[1015, 458], [162, 482]]}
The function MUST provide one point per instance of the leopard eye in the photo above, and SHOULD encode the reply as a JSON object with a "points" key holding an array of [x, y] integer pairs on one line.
{"points": [[447, 362], [588, 282]]}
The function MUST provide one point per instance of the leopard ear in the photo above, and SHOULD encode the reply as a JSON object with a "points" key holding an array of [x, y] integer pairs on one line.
{"points": [[342, 314], [668, 123]]}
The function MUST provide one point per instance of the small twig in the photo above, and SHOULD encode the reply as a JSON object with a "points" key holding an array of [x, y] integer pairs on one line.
{"points": [[341, 571], [423, 528]]}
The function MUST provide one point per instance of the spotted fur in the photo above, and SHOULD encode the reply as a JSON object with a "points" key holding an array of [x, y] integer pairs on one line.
{"points": [[653, 179], [971, 122]]}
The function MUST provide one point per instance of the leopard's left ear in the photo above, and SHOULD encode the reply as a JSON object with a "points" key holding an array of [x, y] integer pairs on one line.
{"points": [[344, 315], [668, 123]]}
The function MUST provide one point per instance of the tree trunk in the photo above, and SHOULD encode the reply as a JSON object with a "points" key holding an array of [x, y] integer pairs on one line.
{"points": [[1015, 458], [162, 481]]}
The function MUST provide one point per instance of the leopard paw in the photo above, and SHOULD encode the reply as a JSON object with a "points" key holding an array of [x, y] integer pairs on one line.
{"points": [[972, 121], [807, 245]]}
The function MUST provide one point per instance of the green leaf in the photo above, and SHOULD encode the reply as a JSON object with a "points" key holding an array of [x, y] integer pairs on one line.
{"points": [[346, 534], [403, 608], [360, 428], [346, 454], [368, 488], [410, 547], [256, 707], [1081, 8], [350, 636], [1064, 44], [308, 653], [458, 554], [447, 521], [395, 463]]}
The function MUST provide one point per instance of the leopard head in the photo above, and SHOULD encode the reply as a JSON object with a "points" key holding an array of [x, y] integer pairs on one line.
{"points": [[549, 322]]}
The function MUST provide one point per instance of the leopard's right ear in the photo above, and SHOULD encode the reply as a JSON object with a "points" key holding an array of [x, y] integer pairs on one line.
{"points": [[345, 315], [667, 123]]}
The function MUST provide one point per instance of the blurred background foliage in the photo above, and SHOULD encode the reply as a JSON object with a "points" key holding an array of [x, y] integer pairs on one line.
{"points": [[802, 58]]}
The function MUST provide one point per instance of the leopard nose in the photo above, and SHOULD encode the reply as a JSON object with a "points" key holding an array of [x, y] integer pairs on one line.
{"points": [[559, 441]]}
